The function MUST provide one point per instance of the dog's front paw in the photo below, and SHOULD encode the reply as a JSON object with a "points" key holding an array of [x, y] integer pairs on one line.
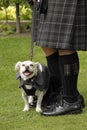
{"points": [[26, 108], [38, 109]]}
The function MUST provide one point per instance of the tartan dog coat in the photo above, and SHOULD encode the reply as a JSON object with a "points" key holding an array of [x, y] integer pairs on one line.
{"points": [[38, 82]]}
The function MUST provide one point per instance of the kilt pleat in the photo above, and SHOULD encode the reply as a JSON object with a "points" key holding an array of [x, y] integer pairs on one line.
{"points": [[63, 27]]}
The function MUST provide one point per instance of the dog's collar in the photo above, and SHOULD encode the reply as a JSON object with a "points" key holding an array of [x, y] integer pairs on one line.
{"points": [[28, 81]]}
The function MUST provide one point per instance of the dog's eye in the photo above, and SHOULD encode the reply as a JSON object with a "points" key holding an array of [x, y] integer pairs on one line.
{"points": [[23, 64], [31, 65]]}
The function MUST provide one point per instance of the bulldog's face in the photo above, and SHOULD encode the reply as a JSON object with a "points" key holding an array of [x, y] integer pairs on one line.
{"points": [[27, 69]]}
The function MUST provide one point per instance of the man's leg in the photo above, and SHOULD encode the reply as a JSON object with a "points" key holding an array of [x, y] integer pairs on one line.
{"points": [[69, 68], [52, 58]]}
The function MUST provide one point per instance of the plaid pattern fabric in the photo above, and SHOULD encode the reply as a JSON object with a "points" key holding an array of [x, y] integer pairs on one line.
{"points": [[64, 26], [71, 69]]}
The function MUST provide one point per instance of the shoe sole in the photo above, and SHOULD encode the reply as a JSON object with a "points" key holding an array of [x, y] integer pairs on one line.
{"points": [[76, 111], [67, 113]]}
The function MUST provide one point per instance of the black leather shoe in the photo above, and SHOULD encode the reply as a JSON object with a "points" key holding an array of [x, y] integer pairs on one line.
{"points": [[79, 98], [64, 108], [81, 101]]}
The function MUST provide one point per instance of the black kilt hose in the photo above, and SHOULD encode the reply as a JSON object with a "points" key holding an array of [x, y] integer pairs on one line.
{"points": [[63, 27]]}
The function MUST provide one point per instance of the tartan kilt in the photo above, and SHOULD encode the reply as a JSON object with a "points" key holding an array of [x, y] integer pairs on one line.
{"points": [[63, 27]]}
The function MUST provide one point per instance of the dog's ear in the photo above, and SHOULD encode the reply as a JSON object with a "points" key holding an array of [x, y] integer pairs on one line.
{"points": [[38, 65], [17, 66]]}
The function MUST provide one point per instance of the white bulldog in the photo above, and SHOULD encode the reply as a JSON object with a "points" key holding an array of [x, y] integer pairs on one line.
{"points": [[34, 80]]}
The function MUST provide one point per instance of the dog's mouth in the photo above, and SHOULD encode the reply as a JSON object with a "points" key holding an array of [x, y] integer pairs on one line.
{"points": [[27, 73]]}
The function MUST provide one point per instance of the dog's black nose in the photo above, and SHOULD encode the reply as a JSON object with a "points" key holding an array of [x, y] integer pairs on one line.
{"points": [[27, 67]]}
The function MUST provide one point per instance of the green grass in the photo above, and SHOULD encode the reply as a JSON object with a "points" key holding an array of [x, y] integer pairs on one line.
{"points": [[13, 49]]}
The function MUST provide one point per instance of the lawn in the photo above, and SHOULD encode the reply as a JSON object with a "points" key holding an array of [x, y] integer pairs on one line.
{"points": [[16, 48]]}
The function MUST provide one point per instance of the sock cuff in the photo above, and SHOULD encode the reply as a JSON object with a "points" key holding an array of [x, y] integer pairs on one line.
{"points": [[69, 59], [53, 57]]}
